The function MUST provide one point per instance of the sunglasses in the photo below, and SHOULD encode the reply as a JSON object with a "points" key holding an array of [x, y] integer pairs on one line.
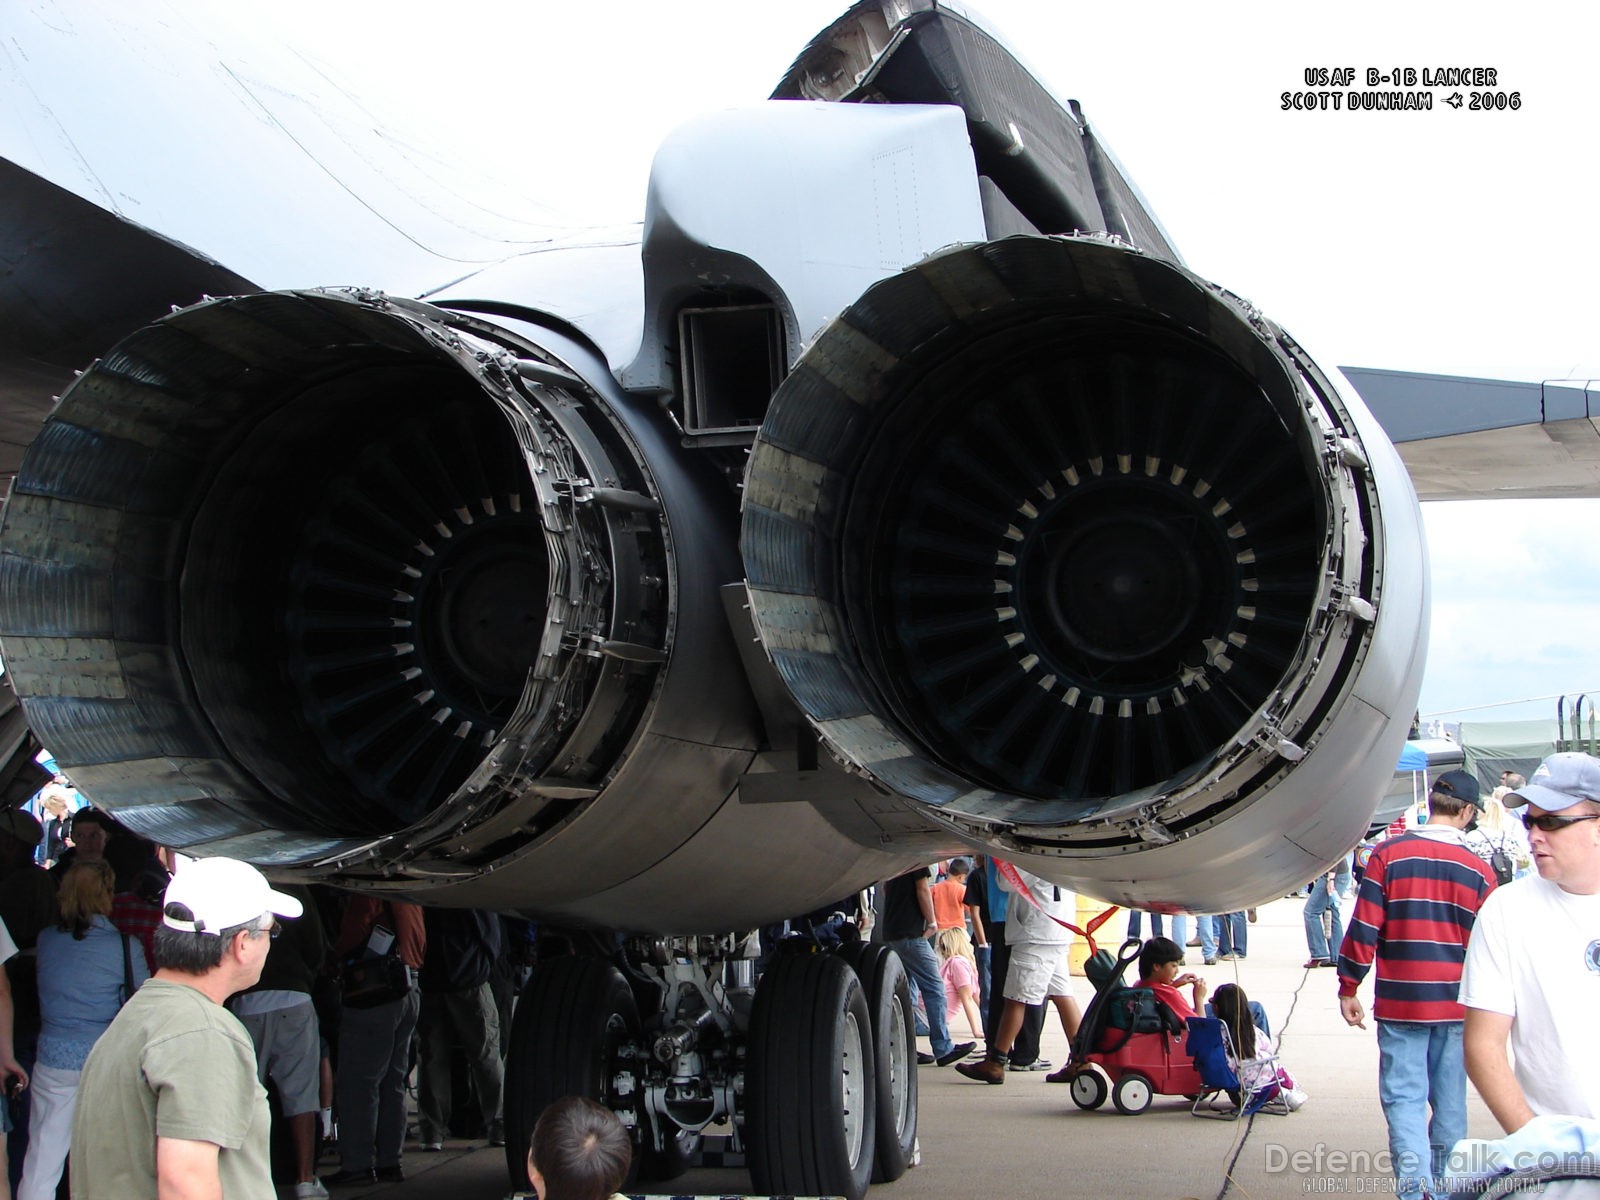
{"points": [[1549, 822], [272, 931]]}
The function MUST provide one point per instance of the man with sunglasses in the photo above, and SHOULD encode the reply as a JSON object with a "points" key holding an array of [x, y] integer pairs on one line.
{"points": [[1413, 915], [1533, 967], [176, 1107]]}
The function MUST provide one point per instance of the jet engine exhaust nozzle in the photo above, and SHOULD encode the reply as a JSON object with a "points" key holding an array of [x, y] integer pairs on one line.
{"points": [[1044, 531], [284, 573]]}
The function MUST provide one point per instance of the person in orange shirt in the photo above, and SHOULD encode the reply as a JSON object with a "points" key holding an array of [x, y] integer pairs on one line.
{"points": [[949, 894]]}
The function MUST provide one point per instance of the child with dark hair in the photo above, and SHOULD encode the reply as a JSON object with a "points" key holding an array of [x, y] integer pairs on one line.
{"points": [[579, 1151], [1252, 1053], [1159, 963]]}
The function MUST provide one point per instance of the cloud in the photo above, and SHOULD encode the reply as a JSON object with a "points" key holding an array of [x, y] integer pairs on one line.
{"points": [[1515, 584]]}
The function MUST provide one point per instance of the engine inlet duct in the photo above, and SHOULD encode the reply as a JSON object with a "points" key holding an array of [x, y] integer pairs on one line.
{"points": [[1067, 545], [288, 574]]}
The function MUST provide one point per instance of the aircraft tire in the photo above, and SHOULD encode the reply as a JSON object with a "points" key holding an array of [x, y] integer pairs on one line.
{"points": [[572, 1017], [811, 1102], [894, 1055]]}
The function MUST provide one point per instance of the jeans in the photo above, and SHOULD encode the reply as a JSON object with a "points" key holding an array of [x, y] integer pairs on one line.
{"points": [[923, 967], [1342, 881], [1420, 1066], [1231, 933], [1208, 936], [1318, 943], [1180, 929], [1135, 923], [981, 954]]}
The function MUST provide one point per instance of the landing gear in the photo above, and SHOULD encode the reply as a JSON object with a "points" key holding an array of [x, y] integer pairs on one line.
{"points": [[669, 1161], [894, 1056], [811, 1101], [811, 1076]]}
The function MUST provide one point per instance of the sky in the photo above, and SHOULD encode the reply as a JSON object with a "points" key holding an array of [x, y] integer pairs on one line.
{"points": [[1450, 241]]}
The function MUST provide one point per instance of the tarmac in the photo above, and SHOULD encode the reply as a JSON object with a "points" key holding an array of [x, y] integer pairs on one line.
{"points": [[1026, 1139]]}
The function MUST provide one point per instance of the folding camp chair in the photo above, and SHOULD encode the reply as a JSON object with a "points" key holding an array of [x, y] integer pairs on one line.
{"points": [[1211, 1048]]}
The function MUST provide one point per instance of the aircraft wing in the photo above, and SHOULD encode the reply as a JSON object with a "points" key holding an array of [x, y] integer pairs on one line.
{"points": [[266, 173], [78, 279], [202, 130], [1488, 439]]}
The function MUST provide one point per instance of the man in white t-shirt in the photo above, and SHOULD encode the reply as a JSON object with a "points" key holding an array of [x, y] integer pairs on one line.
{"points": [[1038, 971], [1532, 976]]}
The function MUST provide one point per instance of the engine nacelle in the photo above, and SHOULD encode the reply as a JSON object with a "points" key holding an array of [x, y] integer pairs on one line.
{"points": [[280, 575], [1090, 562]]}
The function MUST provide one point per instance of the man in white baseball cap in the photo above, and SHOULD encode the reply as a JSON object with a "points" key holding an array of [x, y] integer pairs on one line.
{"points": [[221, 892], [178, 1110], [1532, 974]]}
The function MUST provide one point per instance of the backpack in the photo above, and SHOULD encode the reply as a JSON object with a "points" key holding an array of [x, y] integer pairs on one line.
{"points": [[1137, 1010], [1500, 863], [1101, 968]]}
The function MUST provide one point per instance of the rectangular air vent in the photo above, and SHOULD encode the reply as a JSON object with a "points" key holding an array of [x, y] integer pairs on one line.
{"points": [[733, 359]]}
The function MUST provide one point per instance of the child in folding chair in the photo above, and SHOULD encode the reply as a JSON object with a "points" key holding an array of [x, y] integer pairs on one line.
{"points": [[1254, 1056]]}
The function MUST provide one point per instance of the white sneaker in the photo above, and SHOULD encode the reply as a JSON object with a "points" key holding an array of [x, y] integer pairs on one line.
{"points": [[1295, 1098], [311, 1190]]}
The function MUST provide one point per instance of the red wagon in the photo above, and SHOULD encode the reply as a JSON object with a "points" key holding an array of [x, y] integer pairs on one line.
{"points": [[1129, 1045]]}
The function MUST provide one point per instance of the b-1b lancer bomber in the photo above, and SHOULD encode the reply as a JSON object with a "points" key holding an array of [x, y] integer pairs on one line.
{"points": [[893, 490]]}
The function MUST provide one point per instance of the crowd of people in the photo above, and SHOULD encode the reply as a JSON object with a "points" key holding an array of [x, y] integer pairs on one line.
{"points": [[87, 925], [175, 999], [1002, 938], [1480, 927]]}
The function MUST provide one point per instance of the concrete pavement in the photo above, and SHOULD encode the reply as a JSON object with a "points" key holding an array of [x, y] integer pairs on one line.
{"points": [[1027, 1140]]}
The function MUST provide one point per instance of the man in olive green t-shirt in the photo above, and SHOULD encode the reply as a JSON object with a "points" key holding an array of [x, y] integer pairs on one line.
{"points": [[177, 1109]]}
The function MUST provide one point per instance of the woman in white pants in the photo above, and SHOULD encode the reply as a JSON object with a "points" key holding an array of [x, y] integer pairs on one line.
{"points": [[86, 971]]}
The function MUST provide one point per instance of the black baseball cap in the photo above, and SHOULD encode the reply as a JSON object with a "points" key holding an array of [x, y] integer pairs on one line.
{"points": [[1460, 784]]}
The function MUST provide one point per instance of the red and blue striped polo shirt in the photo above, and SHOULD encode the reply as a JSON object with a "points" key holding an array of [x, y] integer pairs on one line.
{"points": [[1414, 912]]}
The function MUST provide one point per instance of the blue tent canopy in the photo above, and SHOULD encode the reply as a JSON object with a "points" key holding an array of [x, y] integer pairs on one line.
{"points": [[1412, 758]]}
